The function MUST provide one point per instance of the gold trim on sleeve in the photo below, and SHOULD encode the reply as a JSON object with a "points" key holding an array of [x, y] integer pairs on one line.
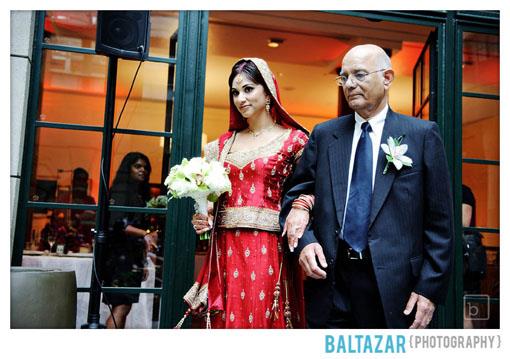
{"points": [[212, 151]]}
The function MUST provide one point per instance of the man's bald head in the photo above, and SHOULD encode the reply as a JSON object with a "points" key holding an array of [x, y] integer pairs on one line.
{"points": [[372, 53]]}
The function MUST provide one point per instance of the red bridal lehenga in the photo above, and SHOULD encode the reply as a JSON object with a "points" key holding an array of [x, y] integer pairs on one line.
{"points": [[247, 264], [248, 281]]}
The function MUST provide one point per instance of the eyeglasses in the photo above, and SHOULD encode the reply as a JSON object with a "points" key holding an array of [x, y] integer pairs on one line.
{"points": [[358, 77]]}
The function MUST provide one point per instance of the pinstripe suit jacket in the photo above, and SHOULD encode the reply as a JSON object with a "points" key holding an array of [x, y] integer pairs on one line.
{"points": [[411, 228]]}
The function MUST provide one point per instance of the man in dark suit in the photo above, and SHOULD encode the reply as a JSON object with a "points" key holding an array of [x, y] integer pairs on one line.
{"points": [[377, 251]]}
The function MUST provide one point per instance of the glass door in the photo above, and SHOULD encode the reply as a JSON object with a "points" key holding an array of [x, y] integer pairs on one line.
{"points": [[479, 102], [78, 162]]}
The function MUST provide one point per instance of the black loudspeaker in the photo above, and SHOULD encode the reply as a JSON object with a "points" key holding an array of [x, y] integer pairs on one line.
{"points": [[123, 34]]}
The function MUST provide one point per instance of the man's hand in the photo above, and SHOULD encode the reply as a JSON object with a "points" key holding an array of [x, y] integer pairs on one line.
{"points": [[308, 261], [424, 310], [295, 225]]}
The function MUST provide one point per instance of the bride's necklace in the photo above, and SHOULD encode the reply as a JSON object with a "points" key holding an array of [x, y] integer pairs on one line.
{"points": [[257, 134]]}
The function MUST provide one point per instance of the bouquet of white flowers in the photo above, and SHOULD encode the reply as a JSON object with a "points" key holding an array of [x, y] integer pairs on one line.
{"points": [[199, 179]]}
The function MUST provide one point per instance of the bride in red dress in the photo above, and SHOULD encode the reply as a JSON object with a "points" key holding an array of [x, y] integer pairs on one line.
{"points": [[247, 280]]}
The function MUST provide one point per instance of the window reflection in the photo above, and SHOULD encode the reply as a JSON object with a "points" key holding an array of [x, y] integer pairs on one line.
{"points": [[163, 31], [72, 28], [480, 128], [157, 149], [61, 156], [150, 104], [480, 63], [78, 29], [60, 231], [73, 88], [484, 183]]}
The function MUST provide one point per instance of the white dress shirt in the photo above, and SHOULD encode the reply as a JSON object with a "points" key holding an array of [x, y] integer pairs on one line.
{"points": [[377, 124]]}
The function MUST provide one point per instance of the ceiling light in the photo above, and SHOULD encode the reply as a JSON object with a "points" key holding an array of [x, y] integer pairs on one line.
{"points": [[274, 42]]}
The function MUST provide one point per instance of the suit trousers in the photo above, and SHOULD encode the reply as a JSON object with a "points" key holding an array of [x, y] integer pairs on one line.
{"points": [[357, 302]]}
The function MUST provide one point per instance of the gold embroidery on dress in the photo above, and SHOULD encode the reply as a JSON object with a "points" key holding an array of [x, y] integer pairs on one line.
{"points": [[240, 200], [252, 188], [250, 318], [270, 270], [247, 252], [273, 171], [268, 313], [229, 252], [252, 166], [232, 316], [289, 149], [263, 249], [262, 295], [243, 294], [265, 219], [241, 175], [253, 276], [236, 273], [212, 150], [255, 233], [241, 158], [269, 192]]}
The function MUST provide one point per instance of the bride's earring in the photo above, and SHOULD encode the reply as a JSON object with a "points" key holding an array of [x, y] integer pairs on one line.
{"points": [[268, 105]]}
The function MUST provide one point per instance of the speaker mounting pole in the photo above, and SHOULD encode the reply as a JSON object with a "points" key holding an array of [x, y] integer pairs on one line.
{"points": [[102, 228]]}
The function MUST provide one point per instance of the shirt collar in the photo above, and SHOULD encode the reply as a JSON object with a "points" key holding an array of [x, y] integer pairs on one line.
{"points": [[375, 122]]}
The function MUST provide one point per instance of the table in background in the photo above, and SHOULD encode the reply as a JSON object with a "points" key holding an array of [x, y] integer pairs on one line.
{"points": [[141, 312]]}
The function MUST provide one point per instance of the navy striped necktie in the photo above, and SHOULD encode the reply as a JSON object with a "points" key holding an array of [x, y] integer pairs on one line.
{"points": [[357, 215]]}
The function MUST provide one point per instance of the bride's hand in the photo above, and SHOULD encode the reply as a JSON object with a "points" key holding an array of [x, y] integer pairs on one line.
{"points": [[294, 226], [201, 223]]}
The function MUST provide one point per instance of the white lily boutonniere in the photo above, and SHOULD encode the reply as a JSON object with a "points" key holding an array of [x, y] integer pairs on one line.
{"points": [[395, 153]]}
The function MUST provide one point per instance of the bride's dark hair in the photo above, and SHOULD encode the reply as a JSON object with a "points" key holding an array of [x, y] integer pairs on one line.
{"points": [[250, 70]]}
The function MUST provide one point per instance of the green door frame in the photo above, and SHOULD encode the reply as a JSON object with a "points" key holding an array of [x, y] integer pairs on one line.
{"points": [[188, 121]]}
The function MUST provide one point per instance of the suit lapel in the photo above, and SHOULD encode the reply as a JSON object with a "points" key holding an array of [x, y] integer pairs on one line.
{"points": [[383, 183], [339, 153]]}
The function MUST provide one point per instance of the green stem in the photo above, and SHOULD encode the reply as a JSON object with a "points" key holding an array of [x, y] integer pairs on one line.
{"points": [[385, 168]]}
